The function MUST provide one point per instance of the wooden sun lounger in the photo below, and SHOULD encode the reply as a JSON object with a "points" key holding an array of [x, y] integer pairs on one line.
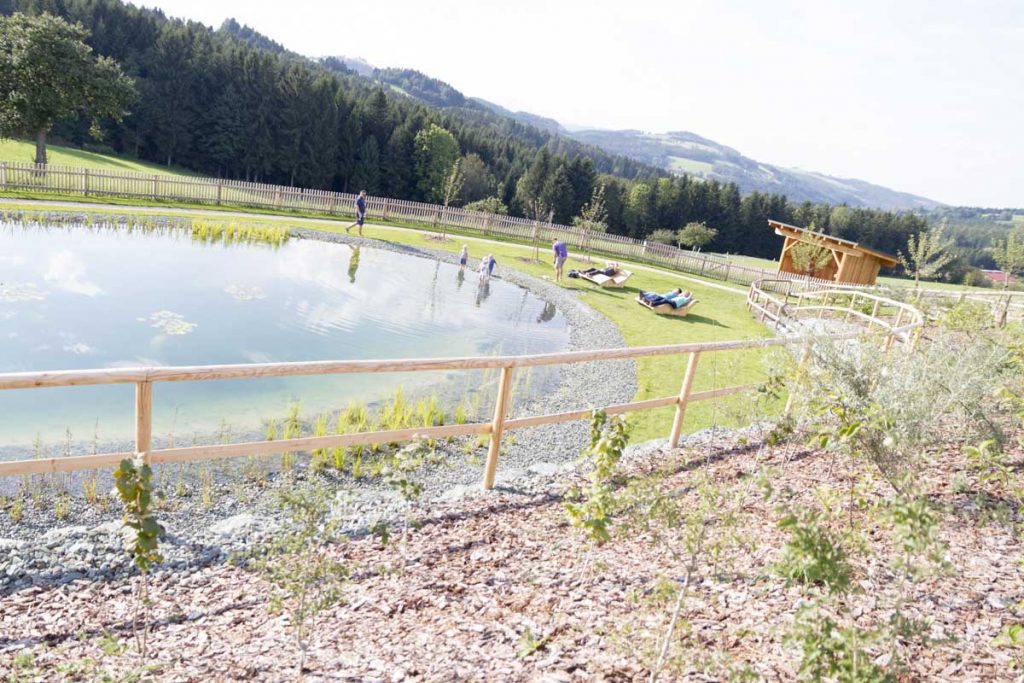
{"points": [[617, 280], [668, 309]]}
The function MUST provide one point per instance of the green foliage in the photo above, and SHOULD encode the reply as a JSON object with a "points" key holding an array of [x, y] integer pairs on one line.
{"points": [[530, 643], [662, 236], [49, 73], [1012, 638], [436, 153], [813, 555], [885, 406], [810, 254], [927, 254], [696, 235], [1009, 253], [134, 482], [593, 217], [488, 205], [916, 529], [608, 439], [307, 579], [17, 510], [319, 460], [832, 652]]}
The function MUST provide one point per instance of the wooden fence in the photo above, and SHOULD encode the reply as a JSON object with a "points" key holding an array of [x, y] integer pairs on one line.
{"points": [[145, 379], [219, 192], [775, 302]]}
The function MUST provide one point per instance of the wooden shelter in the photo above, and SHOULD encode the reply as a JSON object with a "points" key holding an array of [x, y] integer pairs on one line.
{"points": [[851, 263]]}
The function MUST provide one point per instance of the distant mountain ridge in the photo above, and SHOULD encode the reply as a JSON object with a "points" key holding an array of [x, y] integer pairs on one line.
{"points": [[685, 152], [676, 152]]}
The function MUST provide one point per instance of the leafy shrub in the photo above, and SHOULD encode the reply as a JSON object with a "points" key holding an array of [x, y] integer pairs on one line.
{"points": [[608, 439]]}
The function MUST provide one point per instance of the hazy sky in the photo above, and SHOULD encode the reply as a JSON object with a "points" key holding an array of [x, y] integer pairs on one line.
{"points": [[925, 96]]}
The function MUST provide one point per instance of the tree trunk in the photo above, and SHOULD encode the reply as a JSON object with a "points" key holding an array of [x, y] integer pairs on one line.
{"points": [[41, 146]]}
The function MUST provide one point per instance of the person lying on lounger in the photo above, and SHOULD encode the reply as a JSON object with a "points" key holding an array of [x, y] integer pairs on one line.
{"points": [[609, 270], [655, 299], [677, 298]]}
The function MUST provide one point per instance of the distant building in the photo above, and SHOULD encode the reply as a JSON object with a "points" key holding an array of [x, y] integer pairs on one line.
{"points": [[999, 277], [851, 263]]}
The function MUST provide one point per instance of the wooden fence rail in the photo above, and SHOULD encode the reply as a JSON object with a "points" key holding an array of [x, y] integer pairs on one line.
{"points": [[774, 302], [219, 192], [145, 379]]}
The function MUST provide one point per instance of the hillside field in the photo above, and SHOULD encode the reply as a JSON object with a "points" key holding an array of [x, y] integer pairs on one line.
{"points": [[22, 151]]}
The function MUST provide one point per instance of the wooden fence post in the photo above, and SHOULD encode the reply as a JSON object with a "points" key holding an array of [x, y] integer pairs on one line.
{"points": [[3, 175], [384, 213], [85, 182], [144, 419], [684, 397], [220, 190], [155, 189], [497, 427]]}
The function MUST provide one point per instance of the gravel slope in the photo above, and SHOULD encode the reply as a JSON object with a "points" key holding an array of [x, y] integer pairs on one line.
{"points": [[39, 549]]}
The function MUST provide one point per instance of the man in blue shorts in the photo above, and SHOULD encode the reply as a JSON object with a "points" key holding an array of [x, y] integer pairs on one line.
{"points": [[360, 213], [561, 256]]}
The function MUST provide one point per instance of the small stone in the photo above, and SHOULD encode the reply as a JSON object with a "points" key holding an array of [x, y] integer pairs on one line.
{"points": [[544, 469], [995, 602]]}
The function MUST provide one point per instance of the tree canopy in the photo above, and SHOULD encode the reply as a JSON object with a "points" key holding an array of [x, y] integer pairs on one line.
{"points": [[49, 73]]}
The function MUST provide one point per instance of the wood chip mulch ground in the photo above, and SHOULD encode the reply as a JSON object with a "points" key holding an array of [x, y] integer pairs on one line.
{"points": [[501, 588]]}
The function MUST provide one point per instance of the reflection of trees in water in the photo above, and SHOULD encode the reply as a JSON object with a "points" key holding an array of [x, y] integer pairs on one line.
{"points": [[482, 292], [518, 317], [547, 313], [353, 264], [434, 294]]}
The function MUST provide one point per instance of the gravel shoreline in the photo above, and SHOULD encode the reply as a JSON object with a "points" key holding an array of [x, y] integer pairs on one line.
{"points": [[40, 550]]}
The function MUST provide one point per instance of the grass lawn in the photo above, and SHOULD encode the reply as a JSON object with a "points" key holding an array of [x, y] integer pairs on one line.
{"points": [[720, 315], [25, 152]]}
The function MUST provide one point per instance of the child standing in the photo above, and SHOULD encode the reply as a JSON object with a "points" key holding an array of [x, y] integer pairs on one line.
{"points": [[464, 256]]}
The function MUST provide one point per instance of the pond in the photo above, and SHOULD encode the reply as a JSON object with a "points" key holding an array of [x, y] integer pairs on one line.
{"points": [[76, 297]]}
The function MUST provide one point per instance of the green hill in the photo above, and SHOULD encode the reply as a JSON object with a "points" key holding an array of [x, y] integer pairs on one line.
{"points": [[25, 152]]}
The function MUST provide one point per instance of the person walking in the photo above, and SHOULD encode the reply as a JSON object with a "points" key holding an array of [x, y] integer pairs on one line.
{"points": [[561, 251], [360, 213], [464, 256]]}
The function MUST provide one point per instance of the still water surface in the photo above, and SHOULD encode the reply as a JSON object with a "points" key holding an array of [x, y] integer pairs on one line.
{"points": [[102, 298]]}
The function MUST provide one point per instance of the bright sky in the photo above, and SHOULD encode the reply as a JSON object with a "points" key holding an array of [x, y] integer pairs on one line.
{"points": [[924, 96]]}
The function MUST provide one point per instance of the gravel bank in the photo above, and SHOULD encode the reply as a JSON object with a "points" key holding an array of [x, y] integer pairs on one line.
{"points": [[208, 522]]}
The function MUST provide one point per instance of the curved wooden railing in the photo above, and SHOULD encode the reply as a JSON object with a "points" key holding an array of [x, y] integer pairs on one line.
{"points": [[1006, 306], [774, 302], [144, 379]]}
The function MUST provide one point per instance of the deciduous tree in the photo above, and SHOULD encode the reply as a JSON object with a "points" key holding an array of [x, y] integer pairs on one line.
{"points": [[49, 73], [1009, 255], [696, 235], [927, 254], [436, 151]]}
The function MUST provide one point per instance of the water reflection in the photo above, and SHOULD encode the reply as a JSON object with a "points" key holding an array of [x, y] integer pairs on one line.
{"points": [[483, 291], [547, 313], [353, 264], [75, 298]]}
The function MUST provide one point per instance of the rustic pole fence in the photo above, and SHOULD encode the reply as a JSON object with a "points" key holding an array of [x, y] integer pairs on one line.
{"points": [[221, 192], [144, 379]]}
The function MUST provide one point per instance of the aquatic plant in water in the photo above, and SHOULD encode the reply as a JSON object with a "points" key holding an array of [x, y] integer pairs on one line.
{"points": [[245, 293], [169, 322], [12, 292]]}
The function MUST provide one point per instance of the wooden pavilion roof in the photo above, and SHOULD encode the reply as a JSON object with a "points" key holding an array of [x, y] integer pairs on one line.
{"points": [[834, 243]]}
